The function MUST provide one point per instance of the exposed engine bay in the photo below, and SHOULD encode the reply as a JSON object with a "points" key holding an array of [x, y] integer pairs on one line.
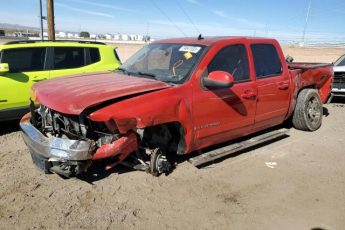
{"points": [[136, 149], [52, 123]]}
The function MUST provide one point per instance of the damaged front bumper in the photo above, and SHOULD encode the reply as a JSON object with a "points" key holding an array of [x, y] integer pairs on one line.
{"points": [[53, 154], [71, 157]]}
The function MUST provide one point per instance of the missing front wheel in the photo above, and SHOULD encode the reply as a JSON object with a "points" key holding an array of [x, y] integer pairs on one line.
{"points": [[159, 163]]}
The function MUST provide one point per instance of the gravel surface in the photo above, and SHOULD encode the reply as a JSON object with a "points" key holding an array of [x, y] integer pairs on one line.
{"points": [[294, 183]]}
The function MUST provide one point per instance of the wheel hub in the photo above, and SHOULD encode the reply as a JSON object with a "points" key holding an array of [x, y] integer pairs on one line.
{"points": [[162, 164], [313, 110]]}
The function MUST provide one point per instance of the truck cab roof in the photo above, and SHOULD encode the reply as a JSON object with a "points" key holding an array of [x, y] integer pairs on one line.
{"points": [[209, 41]]}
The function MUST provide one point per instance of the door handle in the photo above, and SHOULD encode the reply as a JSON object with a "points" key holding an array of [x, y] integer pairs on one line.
{"points": [[1, 101], [283, 86], [250, 95], [39, 79]]}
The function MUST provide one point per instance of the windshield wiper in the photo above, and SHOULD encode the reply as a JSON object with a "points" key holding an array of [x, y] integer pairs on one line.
{"points": [[147, 74], [123, 70]]}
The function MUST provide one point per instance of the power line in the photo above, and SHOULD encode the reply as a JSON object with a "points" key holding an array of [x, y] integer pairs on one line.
{"points": [[185, 13], [41, 18], [306, 21], [165, 15]]}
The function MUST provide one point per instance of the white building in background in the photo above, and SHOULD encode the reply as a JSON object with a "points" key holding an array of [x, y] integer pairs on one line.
{"points": [[132, 37], [108, 36], [70, 35], [76, 36], [117, 37], [100, 36], [139, 38], [124, 37], [93, 36], [61, 35]]}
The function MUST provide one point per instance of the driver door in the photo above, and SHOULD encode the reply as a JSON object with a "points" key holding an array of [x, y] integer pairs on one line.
{"points": [[221, 114]]}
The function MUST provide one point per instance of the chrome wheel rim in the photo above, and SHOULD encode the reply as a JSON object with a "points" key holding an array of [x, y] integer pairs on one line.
{"points": [[314, 110]]}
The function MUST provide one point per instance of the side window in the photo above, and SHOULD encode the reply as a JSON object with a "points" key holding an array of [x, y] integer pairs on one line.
{"points": [[234, 60], [24, 59], [266, 60], [94, 55], [68, 57]]}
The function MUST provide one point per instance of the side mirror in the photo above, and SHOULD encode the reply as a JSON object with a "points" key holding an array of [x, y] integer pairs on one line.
{"points": [[4, 68], [218, 79]]}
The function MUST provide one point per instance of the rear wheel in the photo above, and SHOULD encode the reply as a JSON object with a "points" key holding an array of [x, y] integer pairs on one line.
{"points": [[308, 111]]}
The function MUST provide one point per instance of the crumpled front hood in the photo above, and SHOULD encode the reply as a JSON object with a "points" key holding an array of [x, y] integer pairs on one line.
{"points": [[73, 94]]}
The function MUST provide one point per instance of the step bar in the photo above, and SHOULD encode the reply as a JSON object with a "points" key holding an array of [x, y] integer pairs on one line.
{"points": [[236, 147]]}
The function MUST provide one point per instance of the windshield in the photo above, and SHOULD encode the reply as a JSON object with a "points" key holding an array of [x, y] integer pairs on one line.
{"points": [[340, 61], [164, 62]]}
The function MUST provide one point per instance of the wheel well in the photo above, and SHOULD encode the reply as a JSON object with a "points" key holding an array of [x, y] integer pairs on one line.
{"points": [[169, 137], [307, 87], [289, 117]]}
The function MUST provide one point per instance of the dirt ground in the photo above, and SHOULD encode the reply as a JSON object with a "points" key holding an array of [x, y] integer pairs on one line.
{"points": [[294, 183]]}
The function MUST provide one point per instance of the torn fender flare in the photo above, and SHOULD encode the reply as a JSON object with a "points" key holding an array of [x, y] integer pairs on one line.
{"points": [[121, 147]]}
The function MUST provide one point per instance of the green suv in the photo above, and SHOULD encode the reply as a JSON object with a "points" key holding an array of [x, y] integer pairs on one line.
{"points": [[22, 63]]}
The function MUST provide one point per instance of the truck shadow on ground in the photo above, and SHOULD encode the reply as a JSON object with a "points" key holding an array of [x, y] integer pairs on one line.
{"points": [[7, 127], [97, 170], [338, 100], [325, 112], [238, 153]]}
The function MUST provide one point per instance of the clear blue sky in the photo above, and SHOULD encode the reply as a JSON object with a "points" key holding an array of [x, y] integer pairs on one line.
{"points": [[175, 18]]}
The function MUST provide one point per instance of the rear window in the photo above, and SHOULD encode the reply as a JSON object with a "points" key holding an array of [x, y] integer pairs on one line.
{"points": [[266, 60], [69, 57], [94, 55], [24, 59]]}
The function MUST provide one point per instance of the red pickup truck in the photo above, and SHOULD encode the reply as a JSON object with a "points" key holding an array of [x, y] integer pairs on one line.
{"points": [[172, 97]]}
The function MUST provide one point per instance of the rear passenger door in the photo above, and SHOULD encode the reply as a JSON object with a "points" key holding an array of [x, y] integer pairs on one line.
{"points": [[273, 85]]}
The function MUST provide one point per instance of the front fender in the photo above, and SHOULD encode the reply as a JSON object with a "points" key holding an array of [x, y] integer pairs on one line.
{"points": [[165, 106]]}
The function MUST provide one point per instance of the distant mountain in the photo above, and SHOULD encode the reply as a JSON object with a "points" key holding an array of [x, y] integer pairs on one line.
{"points": [[8, 26]]}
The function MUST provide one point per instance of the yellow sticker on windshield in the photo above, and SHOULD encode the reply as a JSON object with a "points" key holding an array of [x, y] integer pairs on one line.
{"points": [[188, 55]]}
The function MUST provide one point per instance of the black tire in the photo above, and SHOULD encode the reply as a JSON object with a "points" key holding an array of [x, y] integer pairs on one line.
{"points": [[308, 111]]}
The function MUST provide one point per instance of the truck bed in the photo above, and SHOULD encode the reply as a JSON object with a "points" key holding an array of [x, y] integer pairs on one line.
{"points": [[307, 65], [313, 75]]}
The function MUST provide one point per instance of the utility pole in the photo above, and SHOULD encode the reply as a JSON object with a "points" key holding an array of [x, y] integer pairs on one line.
{"points": [[147, 32], [306, 22], [41, 18], [50, 15]]}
